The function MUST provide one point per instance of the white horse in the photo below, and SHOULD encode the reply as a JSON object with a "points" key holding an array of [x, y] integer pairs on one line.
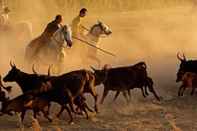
{"points": [[96, 32], [51, 52]]}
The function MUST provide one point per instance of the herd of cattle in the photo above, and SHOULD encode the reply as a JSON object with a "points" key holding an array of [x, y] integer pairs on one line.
{"points": [[68, 89]]}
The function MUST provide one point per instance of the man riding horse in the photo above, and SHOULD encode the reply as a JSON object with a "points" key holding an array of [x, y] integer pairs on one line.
{"points": [[51, 28], [85, 41], [77, 27], [49, 47], [78, 30]]}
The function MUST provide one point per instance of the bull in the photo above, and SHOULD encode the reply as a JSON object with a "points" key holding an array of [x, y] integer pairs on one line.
{"points": [[185, 66], [122, 79]]}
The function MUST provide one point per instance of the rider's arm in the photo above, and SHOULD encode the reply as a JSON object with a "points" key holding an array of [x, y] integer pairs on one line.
{"points": [[85, 28]]}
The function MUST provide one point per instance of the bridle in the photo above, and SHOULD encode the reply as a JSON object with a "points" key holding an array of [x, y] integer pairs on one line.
{"points": [[59, 42]]}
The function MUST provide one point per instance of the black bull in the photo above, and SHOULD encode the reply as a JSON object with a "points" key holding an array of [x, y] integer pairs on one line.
{"points": [[77, 82], [185, 66], [125, 78]]}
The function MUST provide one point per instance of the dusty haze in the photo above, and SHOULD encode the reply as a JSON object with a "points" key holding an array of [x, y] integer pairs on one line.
{"points": [[147, 31]]}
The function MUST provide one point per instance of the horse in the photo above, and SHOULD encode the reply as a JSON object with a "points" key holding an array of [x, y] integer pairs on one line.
{"points": [[93, 36], [52, 51]]}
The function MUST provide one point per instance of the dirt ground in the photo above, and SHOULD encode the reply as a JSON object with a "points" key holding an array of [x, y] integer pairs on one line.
{"points": [[153, 36]]}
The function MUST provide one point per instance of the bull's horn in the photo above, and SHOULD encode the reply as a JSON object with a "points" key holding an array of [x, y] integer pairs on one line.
{"points": [[49, 70], [181, 59], [184, 58], [92, 68], [11, 64], [33, 69]]}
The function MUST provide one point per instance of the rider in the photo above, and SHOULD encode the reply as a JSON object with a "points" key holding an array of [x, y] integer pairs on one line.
{"points": [[4, 18], [52, 27], [77, 27]]}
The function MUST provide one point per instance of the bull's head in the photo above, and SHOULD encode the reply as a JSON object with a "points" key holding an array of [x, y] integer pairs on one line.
{"points": [[100, 75], [12, 74], [181, 70]]}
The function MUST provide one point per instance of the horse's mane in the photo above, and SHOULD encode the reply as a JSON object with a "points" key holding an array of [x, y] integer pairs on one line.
{"points": [[91, 29]]}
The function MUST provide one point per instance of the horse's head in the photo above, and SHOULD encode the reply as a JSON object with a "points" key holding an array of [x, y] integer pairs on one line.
{"points": [[64, 34], [100, 29], [12, 74]]}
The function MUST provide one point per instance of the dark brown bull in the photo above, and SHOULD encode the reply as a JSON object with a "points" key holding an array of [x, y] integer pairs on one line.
{"points": [[27, 82], [189, 80], [21, 104], [185, 66], [66, 88], [122, 79], [148, 83], [77, 82]]}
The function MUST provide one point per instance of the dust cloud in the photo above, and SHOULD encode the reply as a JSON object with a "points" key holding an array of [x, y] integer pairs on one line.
{"points": [[147, 31]]}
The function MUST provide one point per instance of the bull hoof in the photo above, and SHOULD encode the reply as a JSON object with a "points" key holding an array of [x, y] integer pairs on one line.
{"points": [[58, 116], [71, 123], [96, 110], [50, 120]]}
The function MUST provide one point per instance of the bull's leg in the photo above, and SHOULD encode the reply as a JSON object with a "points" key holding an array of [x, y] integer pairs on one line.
{"points": [[84, 109], [193, 90], [151, 89], [46, 115], [125, 96], [116, 96], [71, 104], [87, 107], [183, 90], [20, 119], [129, 93], [104, 95], [145, 89], [94, 94], [23, 115], [69, 113], [142, 92], [35, 112], [60, 112], [180, 89], [69, 99]]}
